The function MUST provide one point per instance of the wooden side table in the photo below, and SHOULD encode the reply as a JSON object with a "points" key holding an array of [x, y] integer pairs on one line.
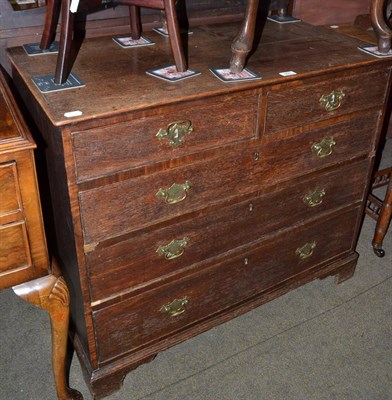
{"points": [[24, 261]]}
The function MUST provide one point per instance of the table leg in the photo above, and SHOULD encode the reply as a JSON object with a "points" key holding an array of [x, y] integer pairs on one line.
{"points": [[243, 42], [380, 25], [51, 294]]}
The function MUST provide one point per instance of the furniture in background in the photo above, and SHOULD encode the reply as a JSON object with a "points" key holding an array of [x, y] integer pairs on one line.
{"points": [[64, 62], [24, 262], [380, 12], [243, 43], [181, 206], [336, 12], [383, 221], [380, 210]]}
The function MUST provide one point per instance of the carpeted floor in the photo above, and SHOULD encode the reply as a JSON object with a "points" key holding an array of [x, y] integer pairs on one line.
{"points": [[319, 342]]}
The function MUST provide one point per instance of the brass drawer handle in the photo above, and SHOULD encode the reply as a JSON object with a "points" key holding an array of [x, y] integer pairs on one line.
{"points": [[175, 193], [175, 132], [333, 100], [314, 199], [306, 250], [174, 249], [176, 307], [324, 148]]}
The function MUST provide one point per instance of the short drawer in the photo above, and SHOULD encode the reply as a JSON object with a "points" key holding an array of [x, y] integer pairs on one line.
{"points": [[166, 134], [131, 324], [304, 103], [131, 262], [10, 199], [126, 206]]}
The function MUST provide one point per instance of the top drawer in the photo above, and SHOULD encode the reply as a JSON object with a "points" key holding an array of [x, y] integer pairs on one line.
{"points": [[302, 103], [164, 135]]}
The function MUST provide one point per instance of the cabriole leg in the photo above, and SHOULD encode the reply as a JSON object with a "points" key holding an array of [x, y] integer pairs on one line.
{"points": [[51, 294]]}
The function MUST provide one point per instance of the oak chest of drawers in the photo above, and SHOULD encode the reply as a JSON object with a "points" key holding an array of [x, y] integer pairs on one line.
{"points": [[180, 206]]}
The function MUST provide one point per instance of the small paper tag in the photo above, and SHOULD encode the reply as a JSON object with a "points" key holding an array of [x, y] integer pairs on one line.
{"points": [[127, 41], [71, 114], [225, 75], [287, 73], [169, 73], [373, 50]]}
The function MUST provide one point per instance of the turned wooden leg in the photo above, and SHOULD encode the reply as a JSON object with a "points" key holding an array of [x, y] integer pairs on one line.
{"points": [[380, 25], [134, 16], [63, 58], [243, 42], [383, 222], [51, 294], [175, 35], [51, 19]]}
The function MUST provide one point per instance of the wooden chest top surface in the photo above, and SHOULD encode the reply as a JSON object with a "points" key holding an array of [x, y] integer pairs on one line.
{"points": [[116, 79]]}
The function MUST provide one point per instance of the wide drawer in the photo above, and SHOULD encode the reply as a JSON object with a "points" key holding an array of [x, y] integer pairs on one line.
{"points": [[304, 103], [165, 134], [119, 267], [133, 323], [126, 206]]}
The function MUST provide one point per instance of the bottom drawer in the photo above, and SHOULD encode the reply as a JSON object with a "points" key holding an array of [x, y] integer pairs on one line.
{"points": [[132, 323]]}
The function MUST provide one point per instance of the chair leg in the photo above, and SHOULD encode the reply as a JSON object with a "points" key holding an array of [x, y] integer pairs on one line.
{"points": [[175, 35], [134, 16], [63, 59], [383, 222], [380, 25], [51, 19], [243, 42], [282, 8]]}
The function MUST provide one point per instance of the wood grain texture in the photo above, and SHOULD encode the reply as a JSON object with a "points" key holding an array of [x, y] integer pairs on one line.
{"points": [[128, 265], [139, 320], [246, 158], [103, 151], [135, 205], [23, 245], [24, 260], [131, 89]]}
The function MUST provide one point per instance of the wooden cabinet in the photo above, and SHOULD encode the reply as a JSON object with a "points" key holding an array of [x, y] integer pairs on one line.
{"points": [[23, 254], [260, 189], [24, 260]]}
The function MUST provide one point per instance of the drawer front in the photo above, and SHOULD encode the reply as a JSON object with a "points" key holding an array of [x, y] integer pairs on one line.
{"points": [[165, 135], [134, 204], [126, 206], [307, 103], [119, 267], [14, 247], [131, 324], [10, 201]]}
